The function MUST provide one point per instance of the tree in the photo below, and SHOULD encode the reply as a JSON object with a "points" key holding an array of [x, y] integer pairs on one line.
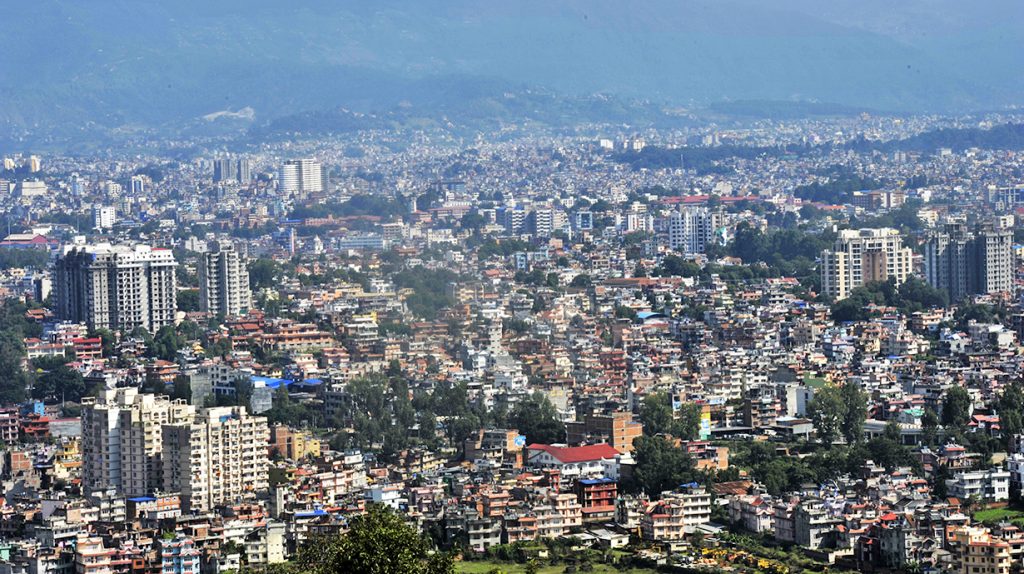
{"points": [[828, 412], [536, 418], [166, 343], [378, 542], [580, 281], [656, 414], [188, 300], [660, 466], [107, 340], [956, 408], [59, 382], [263, 273], [855, 412], [687, 423], [1011, 420], [929, 426]]}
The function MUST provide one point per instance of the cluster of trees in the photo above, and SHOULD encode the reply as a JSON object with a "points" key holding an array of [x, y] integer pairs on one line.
{"points": [[786, 252], [703, 160], [660, 466], [1006, 137], [838, 188], [20, 258], [263, 273], [378, 542], [659, 418], [429, 289], [357, 205], [381, 415], [911, 296], [782, 470], [53, 379], [503, 248], [14, 328], [384, 419], [839, 412]]}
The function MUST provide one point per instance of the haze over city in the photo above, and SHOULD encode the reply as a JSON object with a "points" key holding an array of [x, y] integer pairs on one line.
{"points": [[511, 287]]}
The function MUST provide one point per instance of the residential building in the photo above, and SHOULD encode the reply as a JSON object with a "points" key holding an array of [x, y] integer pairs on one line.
{"points": [[224, 281], [116, 287], [862, 256], [301, 177], [617, 429], [676, 514], [691, 229], [220, 457], [179, 555], [964, 262], [122, 442], [992, 485]]}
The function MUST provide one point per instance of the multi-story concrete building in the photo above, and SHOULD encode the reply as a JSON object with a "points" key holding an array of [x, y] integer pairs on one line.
{"points": [[104, 217], [224, 281], [862, 256], [116, 287], [122, 440], [992, 485], [976, 551], [179, 555], [964, 263], [692, 229], [301, 177], [617, 429], [220, 457], [676, 515]]}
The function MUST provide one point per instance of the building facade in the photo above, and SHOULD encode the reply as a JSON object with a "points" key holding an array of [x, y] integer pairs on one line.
{"points": [[224, 281], [122, 440], [220, 457], [301, 177], [862, 256], [964, 262], [116, 287]]}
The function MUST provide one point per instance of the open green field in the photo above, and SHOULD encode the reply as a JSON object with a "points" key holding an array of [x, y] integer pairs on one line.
{"points": [[483, 567], [995, 515]]}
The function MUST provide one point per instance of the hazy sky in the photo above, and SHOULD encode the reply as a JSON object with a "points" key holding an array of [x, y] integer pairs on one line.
{"points": [[122, 62]]}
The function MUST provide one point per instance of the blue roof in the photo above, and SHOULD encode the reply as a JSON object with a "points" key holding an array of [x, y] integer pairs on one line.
{"points": [[307, 514], [649, 314], [269, 382], [142, 499], [593, 481]]}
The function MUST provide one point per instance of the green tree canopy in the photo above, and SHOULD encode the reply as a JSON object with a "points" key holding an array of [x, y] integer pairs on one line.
{"points": [[378, 542], [660, 466], [537, 419], [956, 408], [828, 412]]}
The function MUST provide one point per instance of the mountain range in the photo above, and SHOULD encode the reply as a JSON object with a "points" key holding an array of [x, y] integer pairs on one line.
{"points": [[73, 67]]}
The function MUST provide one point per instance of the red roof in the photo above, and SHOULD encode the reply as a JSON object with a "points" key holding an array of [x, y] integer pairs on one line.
{"points": [[570, 454]]}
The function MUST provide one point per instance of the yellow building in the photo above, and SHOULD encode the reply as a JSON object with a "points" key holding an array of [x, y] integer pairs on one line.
{"points": [[979, 552]]}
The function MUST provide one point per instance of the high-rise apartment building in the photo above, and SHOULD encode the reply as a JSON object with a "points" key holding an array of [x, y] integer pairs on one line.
{"points": [[224, 281], [692, 229], [219, 458], [223, 170], [122, 442], [964, 262], [137, 185], [116, 286], [862, 256], [227, 169], [104, 217], [301, 177]]}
